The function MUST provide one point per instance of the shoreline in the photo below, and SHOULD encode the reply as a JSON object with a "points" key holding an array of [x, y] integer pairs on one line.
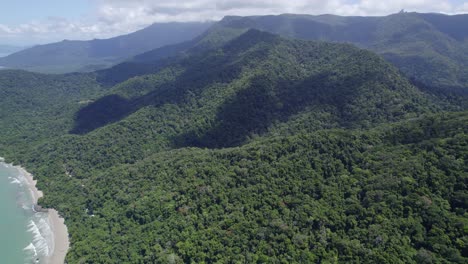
{"points": [[61, 242]]}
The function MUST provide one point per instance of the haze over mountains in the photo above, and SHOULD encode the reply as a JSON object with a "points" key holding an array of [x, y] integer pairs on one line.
{"points": [[9, 49], [429, 48], [261, 139], [70, 56], [432, 48]]}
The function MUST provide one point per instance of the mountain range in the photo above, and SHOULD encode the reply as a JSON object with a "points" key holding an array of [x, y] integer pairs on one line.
{"points": [[263, 139], [429, 48], [70, 56]]}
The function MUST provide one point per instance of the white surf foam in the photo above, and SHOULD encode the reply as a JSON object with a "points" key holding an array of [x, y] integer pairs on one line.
{"points": [[31, 248], [20, 179], [15, 181], [41, 232], [43, 243], [31, 252]]}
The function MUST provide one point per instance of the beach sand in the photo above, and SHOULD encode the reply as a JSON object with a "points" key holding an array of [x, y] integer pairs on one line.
{"points": [[61, 242], [60, 238]]}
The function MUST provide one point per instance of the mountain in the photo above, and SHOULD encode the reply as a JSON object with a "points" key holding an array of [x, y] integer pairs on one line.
{"points": [[323, 85], [427, 47], [431, 49], [68, 56], [247, 148]]}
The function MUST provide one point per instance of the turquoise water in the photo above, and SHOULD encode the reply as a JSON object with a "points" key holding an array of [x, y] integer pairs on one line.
{"points": [[25, 236]]}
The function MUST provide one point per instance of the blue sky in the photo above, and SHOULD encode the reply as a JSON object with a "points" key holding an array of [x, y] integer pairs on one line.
{"points": [[14, 12], [27, 22]]}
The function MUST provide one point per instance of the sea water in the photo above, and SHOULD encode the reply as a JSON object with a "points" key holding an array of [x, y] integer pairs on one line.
{"points": [[25, 235]]}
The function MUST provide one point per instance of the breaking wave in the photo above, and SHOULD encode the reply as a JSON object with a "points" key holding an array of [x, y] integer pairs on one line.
{"points": [[42, 244], [38, 226]]}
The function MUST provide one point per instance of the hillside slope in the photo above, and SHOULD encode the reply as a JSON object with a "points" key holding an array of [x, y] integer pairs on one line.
{"points": [[68, 56], [260, 150], [255, 85]]}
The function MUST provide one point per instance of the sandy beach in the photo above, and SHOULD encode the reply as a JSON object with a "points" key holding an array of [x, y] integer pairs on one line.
{"points": [[60, 238], [61, 242]]}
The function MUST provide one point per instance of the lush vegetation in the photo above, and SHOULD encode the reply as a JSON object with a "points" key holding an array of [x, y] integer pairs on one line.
{"points": [[231, 95], [37, 107], [389, 195], [256, 150]]}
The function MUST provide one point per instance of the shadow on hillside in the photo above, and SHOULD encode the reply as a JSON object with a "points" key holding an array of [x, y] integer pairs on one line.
{"points": [[113, 108], [266, 101], [201, 70], [101, 112], [124, 71], [452, 98]]}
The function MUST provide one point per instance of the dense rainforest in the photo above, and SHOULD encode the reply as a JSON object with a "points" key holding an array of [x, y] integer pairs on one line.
{"points": [[245, 147], [394, 194]]}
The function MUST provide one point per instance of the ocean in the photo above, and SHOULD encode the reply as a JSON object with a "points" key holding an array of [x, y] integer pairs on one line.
{"points": [[25, 236]]}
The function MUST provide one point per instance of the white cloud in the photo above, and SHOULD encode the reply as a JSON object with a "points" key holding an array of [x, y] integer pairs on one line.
{"points": [[187, 10], [462, 8], [115, 17]]}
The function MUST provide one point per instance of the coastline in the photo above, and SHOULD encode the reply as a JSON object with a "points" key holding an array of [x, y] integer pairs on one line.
{"points": [[60, 232]]}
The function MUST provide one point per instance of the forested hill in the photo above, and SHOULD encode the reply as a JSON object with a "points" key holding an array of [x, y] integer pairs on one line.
{"points": [[257, 84], [430, 48], [69, 56], [250, 148]]}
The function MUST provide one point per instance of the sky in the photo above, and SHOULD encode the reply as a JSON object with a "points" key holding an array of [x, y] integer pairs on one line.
{"points": [[28, 22]]}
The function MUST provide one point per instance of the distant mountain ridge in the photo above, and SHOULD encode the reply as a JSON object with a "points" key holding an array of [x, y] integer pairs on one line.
{"points": [[429, 48], [69, 56], [432, 48]]}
